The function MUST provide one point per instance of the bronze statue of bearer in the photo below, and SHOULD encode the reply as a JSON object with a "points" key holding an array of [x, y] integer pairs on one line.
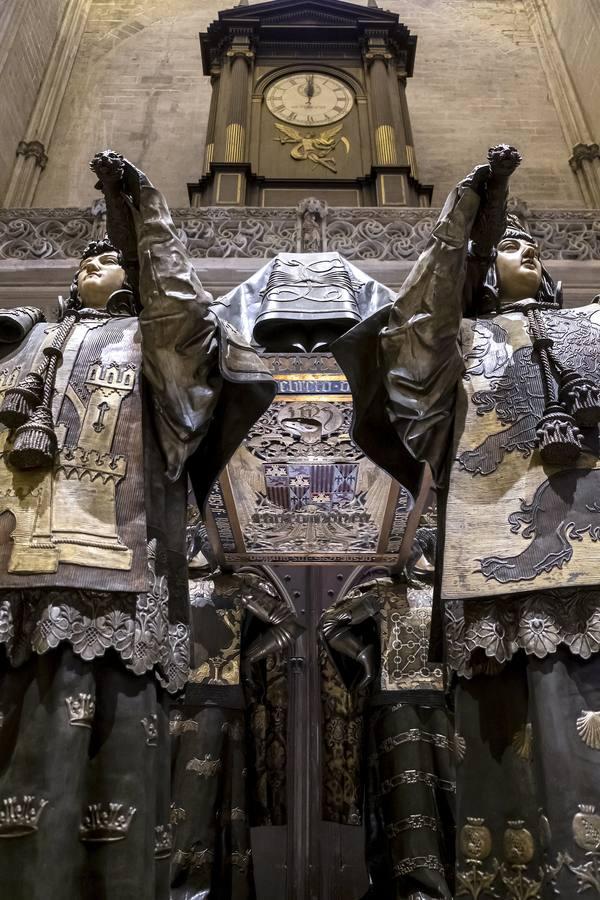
{"points": [[483, 376], [103, 415]]}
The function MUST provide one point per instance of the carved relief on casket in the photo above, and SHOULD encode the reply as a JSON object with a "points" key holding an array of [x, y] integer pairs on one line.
{"points": [[299, 489]]}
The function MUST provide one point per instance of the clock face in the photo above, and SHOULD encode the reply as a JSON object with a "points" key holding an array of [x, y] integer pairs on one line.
{"points": [[309, 98]]}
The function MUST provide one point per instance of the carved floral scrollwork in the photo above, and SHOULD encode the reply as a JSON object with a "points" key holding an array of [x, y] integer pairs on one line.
{"points": [[476, 879], [586, 835], [379, 234], [483, 876], [55, 234], [249, 233], [255, 232]]}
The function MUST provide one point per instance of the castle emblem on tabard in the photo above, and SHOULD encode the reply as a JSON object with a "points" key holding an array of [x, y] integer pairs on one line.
{"points": [[67, 514]]}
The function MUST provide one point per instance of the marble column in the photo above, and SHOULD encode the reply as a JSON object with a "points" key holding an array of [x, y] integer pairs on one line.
{"points": [[584, 150]]}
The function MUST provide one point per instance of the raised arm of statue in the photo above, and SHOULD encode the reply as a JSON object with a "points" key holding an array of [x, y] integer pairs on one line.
{"points": [[187, 352], [420, 356], [179, 342]]}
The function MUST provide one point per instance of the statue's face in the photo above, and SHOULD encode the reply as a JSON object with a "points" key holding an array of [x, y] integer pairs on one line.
{"points": [[519, 269], [98, 278]]}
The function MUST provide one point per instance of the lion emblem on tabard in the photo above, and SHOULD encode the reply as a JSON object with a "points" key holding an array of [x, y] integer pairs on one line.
{"points": [[565, 508]]}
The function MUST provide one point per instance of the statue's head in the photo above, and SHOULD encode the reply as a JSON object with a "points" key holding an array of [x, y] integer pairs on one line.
{"points": [[516, 272], [518, 267], [100, 276]]}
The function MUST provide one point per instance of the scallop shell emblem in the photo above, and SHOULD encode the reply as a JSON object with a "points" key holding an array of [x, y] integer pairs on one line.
{"points": [[545, 832], [460, 747], [522, 742], [588, 728]]}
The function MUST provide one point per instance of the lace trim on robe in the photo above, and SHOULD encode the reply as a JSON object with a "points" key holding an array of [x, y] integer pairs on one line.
{"points": [[136, 626], [483, 635]]}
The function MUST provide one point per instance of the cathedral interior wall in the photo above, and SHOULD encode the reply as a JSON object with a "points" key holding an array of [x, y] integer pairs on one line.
{"points": [[479, 80], [137, 86], [578, 37], [28, 29]]}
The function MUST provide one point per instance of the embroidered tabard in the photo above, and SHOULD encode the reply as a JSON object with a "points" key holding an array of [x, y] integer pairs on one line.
{"points": [[514, 524], [80, 523]]}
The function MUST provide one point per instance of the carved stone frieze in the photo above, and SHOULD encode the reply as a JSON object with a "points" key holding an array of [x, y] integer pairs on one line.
{"points": [[232, 232], [44, 233], [257, 233]]}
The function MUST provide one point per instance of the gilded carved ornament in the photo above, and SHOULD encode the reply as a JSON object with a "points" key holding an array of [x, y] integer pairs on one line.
{"points": [[315, 147]]}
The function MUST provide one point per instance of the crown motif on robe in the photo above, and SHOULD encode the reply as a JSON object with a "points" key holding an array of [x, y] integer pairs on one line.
{"points": [[163, 841], [81, 709], [106, 822], [20, 815]]}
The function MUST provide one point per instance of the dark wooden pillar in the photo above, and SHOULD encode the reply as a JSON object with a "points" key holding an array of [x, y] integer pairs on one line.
{"points": [[228, 162], [235, 132], [385, 135]]}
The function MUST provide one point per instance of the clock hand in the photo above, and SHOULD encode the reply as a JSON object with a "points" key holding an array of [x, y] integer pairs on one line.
{"points": [[310, 88]]}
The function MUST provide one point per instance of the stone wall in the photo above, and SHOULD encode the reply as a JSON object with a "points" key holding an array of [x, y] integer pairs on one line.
{"points": [[137, 86], [577, 31], [478, 80], [28, 29]]}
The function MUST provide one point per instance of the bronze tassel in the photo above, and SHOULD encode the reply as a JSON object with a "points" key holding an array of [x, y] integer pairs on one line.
{"points": [[20, 401], [581, 397], [35, 443], [559, 438]]}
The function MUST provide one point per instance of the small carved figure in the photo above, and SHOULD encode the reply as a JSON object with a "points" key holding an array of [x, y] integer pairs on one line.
{"points": [[504, 407], [93, 493], [312, 214]]}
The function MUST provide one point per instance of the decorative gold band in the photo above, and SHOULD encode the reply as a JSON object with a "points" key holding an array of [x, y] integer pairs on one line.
{"points": [[412, 160], [385, 142], [208, 156], [235, 138]]}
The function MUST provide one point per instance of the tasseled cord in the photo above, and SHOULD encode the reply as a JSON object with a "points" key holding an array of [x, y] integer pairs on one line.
{"points": [[28, 407], [577, 403]]}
